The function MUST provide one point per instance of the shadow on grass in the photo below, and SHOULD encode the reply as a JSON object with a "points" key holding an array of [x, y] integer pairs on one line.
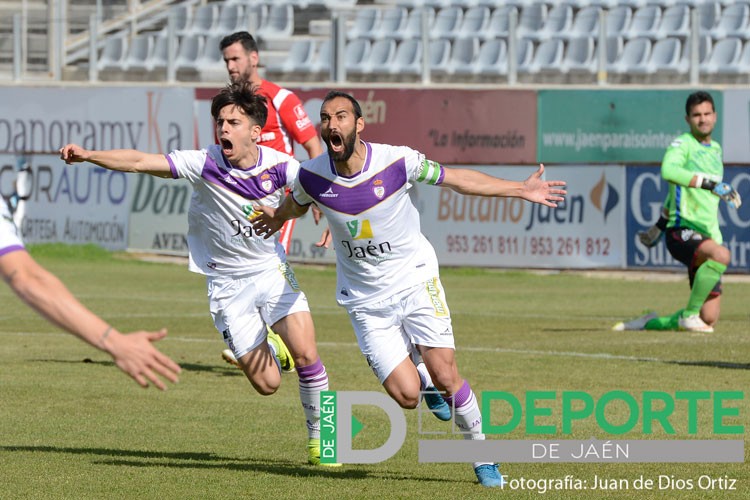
{"points": [[712, 364], [188, 460]]}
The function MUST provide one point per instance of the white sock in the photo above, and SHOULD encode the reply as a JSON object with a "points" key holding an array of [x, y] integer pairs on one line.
{"points": [[425, 380], [468, 417]]}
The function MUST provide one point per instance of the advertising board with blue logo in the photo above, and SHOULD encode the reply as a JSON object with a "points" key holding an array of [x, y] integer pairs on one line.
{"points": [[646, 192], [584, 232]]}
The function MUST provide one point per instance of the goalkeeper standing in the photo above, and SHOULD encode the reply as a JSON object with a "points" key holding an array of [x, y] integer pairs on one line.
{"points": [[694, 169]]}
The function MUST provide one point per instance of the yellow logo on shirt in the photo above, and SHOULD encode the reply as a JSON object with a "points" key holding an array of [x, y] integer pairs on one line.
{"points": [[359, 230]]}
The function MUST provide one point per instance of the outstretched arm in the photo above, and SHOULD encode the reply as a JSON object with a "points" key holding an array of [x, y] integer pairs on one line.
{"points": [[269, 220], [473, 182], [122, 160], [133, 353]]}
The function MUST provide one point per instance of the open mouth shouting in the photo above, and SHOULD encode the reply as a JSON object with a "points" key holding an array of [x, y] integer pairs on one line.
{"points": [[227, 147], [340, 148], [336, 143]]}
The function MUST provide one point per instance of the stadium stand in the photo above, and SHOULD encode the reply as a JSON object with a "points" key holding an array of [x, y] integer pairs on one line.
{"points": [[469, 40]]}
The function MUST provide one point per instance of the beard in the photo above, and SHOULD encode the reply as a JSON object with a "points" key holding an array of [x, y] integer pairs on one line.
{"points": [[348, 142]]}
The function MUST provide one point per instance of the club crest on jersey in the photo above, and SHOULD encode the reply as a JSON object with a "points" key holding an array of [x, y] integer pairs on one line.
{"points": [[266, 183], [378, 189], [359, 230]]}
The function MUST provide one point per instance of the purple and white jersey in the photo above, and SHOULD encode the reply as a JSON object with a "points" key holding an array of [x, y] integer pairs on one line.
{"points": [[10, 241], [380, 249], [220, 238]]}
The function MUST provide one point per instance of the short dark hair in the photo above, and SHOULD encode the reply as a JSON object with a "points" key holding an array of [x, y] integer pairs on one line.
{"points": [[244, 96], [245, 38], [698, 98], [333, 94]]}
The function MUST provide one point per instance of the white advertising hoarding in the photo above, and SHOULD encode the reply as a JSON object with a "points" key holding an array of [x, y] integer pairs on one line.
{"points": [[83, 203], [587, 231]]}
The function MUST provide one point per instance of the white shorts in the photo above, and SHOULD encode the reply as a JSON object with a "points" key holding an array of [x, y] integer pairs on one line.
{"points": [[388, 330], [241, 307]]}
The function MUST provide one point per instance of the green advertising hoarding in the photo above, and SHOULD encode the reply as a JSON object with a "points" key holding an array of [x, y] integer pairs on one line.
{"points": [[611, 126]]}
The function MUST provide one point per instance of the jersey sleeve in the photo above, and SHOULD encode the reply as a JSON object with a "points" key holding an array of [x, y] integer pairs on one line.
{"points": [[294, 117], [292, 170], [298, 193], [673, 166], [187, 164]]}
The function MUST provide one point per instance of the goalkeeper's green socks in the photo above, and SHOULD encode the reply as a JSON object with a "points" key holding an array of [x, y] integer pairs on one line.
{"points": [[708, 274], [664, 322]]}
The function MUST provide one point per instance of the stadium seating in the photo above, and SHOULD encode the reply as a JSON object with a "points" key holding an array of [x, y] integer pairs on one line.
{"points": [[531, 20], [356, 55], [548, 57], [392, 21], [557, 40], [741, 67], [645, 23], [114, 54], [204, 20], [618, 20], [733, 22], [498, 24], [475, 21], [447, 23], [675, 22], [585, 23], [634, 58], [366, 23], [557, 24], [413, 26], [492, 58], [279, 23], [189, 50], [580, 56], [381, 57], [211, 60], [232, 18], [300, 58], [464, 51], [726, 53], [139, 52], [408, 58]]}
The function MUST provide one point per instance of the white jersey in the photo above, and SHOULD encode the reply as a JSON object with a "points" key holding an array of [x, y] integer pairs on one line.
{"points": [[220, 239], [380, 249], [10, 240]]}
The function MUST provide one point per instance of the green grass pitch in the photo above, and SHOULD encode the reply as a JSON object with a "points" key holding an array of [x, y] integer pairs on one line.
{"points": [[73, 426]]}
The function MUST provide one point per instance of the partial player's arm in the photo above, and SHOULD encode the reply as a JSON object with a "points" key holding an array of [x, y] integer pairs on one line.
{"points": [[121, 160], [269, 220], [313, 147], [44, 292], [473, 182]]}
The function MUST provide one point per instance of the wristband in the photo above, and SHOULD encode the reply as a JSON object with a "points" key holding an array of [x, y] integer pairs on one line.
{"points": [[704, 183], [662, 222]]}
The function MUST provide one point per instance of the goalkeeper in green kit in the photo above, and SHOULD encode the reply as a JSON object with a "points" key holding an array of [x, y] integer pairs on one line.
{"points": [[690, 220]]}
